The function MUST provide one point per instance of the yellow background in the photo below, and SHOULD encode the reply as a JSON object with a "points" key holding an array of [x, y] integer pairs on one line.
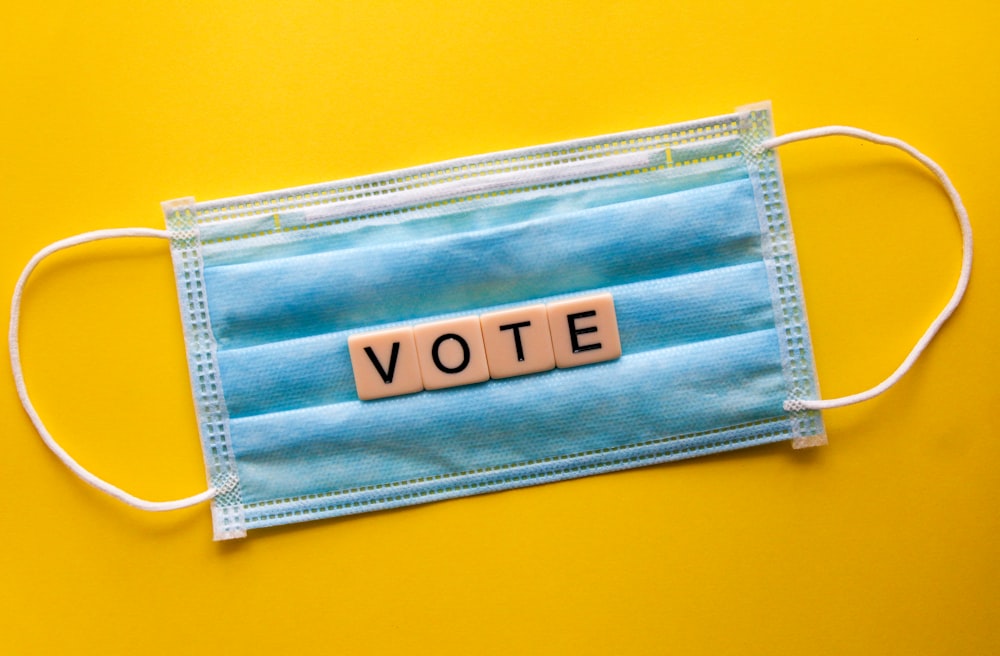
{"points": [[883, 542]]}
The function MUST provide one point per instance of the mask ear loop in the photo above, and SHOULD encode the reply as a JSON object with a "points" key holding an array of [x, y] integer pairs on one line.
{"points": [[792, 405], [22, 391]]}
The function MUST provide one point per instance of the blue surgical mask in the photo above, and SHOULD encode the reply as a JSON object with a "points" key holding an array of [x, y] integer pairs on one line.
{"points": [[677, 237]]}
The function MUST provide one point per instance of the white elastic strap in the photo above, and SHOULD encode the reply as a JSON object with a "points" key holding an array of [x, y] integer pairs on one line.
{"points": [[15, 364], [963, 279]]}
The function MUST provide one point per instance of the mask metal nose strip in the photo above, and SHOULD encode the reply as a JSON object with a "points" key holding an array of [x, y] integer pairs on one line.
{"points": [[484, 184], [22, 391], [793, 405]]}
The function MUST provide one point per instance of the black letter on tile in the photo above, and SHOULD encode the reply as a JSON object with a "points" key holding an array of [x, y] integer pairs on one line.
{"points": [[466, 354], [516, 327], [574, 331], [386, 376]]}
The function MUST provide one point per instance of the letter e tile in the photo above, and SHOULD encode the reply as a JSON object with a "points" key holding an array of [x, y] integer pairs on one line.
{"points": [[584, 330]]}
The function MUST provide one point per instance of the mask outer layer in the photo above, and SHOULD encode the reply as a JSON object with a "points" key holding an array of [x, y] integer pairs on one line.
{"points": [[684, 225]]}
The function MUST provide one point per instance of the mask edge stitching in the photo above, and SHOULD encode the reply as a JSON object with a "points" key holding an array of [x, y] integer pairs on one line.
{"points": [[604, 466], [528, 463], [692, 131], [280, 229], [782, 267], [227, 508]]}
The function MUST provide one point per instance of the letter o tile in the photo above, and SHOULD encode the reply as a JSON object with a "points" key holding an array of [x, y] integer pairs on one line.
{"points": [[451, 353]]}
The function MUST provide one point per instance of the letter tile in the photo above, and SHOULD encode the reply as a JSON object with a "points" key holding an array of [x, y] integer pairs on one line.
{"points": [[451, 353], [584, 330], [518, 341], [385, 363]]}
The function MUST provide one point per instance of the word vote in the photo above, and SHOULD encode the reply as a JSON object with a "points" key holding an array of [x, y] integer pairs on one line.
{"points": [[472, 349]]}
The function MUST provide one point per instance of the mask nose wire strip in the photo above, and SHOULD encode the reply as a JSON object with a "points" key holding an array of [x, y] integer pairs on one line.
{"points": [[22, 391], [792, 405]]}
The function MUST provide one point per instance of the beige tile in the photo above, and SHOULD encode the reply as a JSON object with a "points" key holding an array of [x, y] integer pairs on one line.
{"points": [[584, 330], [385, 363], [451, 353], [517, 341]]}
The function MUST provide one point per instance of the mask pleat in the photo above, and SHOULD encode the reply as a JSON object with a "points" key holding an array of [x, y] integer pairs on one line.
{"points": [[372, 283], [684, 309], [637, 398]]}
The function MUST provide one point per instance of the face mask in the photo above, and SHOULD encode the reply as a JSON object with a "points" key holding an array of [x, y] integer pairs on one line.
{"points": [[493, 322]]}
